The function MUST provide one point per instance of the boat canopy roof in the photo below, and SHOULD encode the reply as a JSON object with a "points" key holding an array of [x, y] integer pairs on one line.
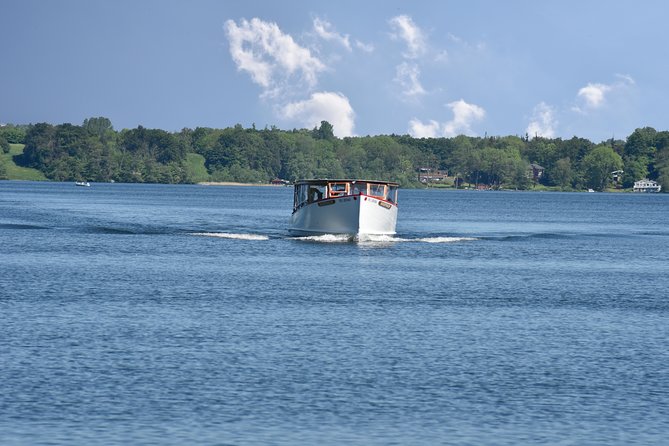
{"points": [[325, 181]]}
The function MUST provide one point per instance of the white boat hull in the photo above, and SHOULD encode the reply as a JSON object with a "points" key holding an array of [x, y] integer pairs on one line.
{"points": [[352, 214]]}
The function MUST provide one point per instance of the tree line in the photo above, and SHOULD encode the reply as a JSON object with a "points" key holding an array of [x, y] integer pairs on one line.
{"points": [[94, 151]]}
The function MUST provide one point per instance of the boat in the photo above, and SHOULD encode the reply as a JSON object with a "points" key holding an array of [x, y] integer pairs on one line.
{"points": [[82, 183], [339, 206]]}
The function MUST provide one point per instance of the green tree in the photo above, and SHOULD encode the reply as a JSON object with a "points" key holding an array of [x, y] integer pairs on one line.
{"points": [[101, 127], [562, 173], [544, 152], [471, 166], [4, 145], [325, 131], [635, 168], [3, 169], [599, 164], [153, 144], [39, 147], [458, 160], [13, 134], [235, 146], [662, 168], [352, 157], [575, 149], [641, 143], [298, 167]]}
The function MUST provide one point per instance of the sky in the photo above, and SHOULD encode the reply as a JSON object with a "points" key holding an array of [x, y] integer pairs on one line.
{"points": [[587, 68]]}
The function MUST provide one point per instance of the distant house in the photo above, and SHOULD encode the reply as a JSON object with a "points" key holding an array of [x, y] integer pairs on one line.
{"points": [[617, 176], [429, 175], [646, 185], [535, 172]]}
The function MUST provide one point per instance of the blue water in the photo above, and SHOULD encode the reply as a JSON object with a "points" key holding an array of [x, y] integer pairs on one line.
{"points": [[153, 314]]}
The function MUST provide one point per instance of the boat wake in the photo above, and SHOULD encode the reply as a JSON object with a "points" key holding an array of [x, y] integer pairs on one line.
{"points": [[327, 238], [379, 239], [446, 239], [366, 238], [230, 235]]}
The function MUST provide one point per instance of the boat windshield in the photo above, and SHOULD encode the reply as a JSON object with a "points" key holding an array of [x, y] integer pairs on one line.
{"points": [[358, 187], [310, 192], [338, 189], [392, 194], [377, 190]]}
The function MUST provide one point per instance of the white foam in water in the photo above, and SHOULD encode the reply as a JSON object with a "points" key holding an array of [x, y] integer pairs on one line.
{"points": [[326, 238], [365, 238], [232, 235], [445, 239], [371, 238]]}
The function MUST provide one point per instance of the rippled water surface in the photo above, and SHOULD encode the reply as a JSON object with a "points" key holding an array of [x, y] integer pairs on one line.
{"points": [[152, 314]]}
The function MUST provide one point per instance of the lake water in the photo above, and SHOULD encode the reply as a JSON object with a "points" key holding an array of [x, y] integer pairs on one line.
{"points": [[154, 314]]}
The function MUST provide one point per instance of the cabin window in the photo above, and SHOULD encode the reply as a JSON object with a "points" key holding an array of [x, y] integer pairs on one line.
{"points": [[392, 194], [301, 194], [358, 188], [308, 193], [338, 189], [377, 190], [316, 192]]}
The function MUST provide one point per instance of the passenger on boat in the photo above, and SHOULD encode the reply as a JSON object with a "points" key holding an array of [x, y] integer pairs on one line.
{"points": [[315, 194]]}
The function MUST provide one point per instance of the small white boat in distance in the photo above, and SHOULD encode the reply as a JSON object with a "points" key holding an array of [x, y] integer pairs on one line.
{"points": [[344, 207], [83, 183]]}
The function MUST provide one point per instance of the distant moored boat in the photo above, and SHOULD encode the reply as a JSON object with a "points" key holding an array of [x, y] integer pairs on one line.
{"points": [[83, 183]]}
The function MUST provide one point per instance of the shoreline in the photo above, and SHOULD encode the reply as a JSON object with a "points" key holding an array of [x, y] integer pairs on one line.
{"points": [[232, 183]]}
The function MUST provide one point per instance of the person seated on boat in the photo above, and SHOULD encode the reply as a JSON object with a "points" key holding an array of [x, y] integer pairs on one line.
{"points": [[315, 194]]}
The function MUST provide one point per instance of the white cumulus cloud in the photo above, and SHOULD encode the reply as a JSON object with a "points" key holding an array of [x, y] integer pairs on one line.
{"points": [[407, 76], [464, 116], [406, 30], [366, 47], [324, 30], [269, 55], [417, 129], [594, 95], [323, 106], [543, 122]]}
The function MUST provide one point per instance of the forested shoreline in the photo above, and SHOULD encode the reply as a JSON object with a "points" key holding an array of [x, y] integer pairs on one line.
{"points": [[95, 151]]}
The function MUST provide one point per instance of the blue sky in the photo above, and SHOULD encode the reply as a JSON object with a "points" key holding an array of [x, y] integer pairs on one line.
{"points": [[594, 69]]}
